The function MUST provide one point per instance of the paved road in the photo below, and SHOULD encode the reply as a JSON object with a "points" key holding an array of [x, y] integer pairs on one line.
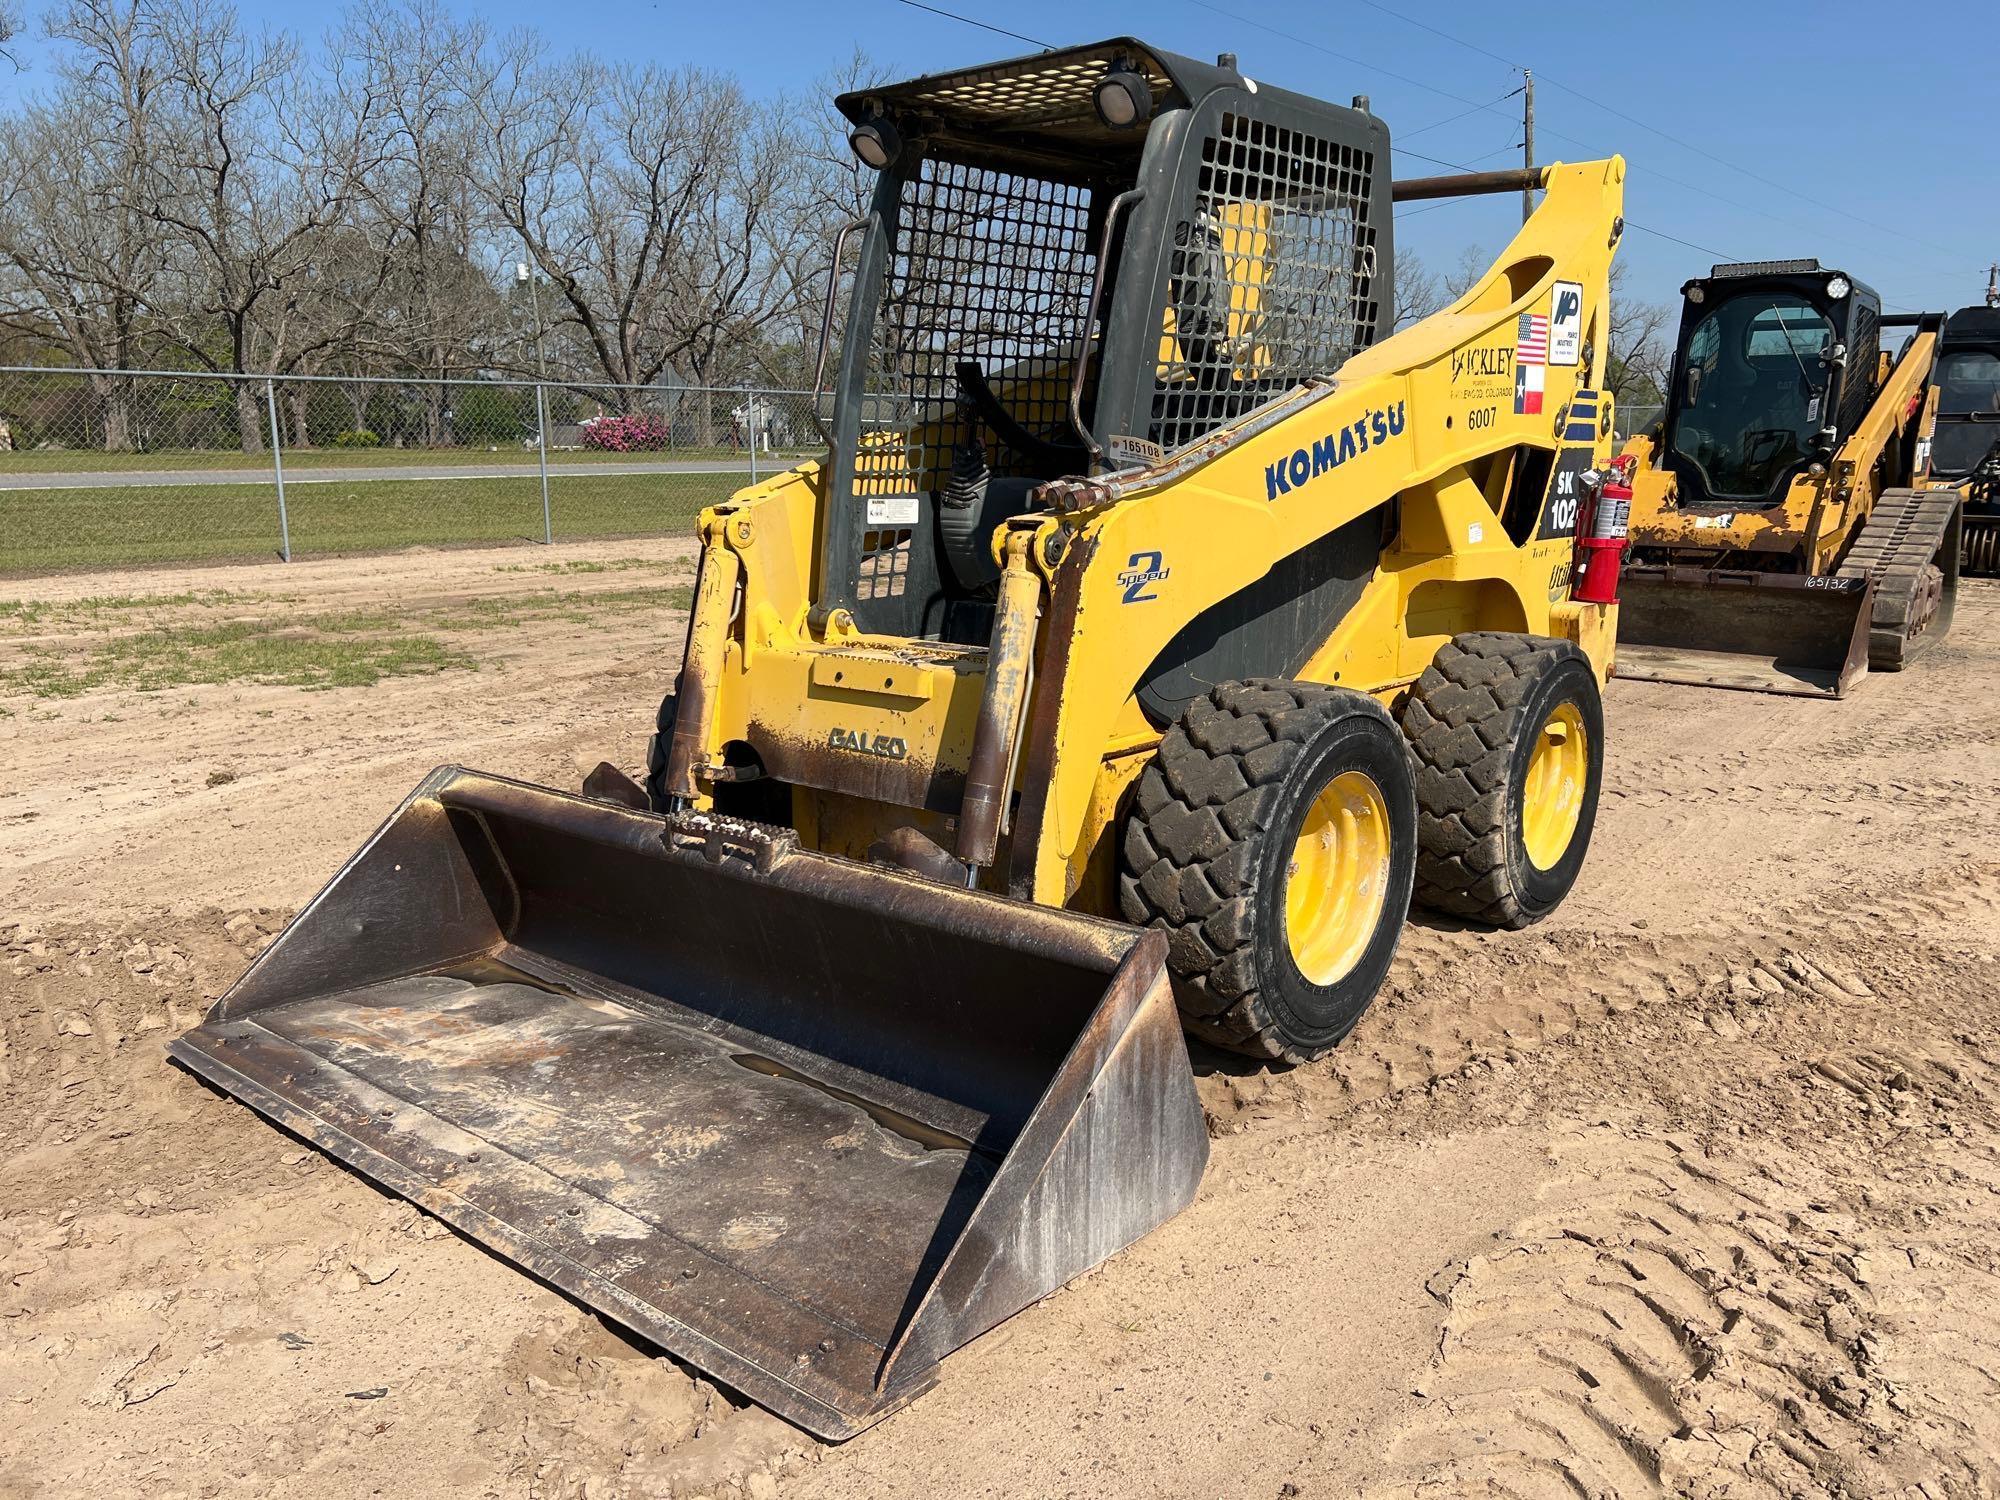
{"points": [[305, 474]]}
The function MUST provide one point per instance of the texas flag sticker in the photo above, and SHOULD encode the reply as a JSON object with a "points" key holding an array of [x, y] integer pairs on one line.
{"points": [[1527, 390]]}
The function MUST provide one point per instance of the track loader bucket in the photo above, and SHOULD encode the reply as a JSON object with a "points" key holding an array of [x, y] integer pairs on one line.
{"points": [[1761, 632], [809, 1124]]}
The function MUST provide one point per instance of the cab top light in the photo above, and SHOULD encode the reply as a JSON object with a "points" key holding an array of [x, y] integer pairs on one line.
{"points": [[877, 143], [1122, 97]]}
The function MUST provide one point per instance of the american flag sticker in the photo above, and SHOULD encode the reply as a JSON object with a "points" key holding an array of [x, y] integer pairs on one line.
{"points": [[1531, 339]]}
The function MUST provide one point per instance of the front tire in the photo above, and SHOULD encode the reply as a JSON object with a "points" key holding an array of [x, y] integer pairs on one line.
{"points": [[1507, 733], [1273, 839]]}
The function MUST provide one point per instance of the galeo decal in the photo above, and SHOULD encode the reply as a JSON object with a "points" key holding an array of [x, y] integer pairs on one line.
{"points": [[1142, 571], [887, 747], [1333, 450]]}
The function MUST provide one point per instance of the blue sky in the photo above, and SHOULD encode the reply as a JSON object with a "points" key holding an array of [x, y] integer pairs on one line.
{"points": [[1830, 130]]}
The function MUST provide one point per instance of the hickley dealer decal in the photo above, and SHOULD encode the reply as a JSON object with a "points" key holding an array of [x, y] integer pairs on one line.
{"points": [[1333, 450]]}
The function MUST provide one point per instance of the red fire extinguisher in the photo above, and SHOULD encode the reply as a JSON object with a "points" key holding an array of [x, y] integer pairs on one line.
{"points": [[1601, 546]]}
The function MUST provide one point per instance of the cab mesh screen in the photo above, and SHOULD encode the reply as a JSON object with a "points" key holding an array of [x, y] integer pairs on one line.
{"points": [[989, 267], [1271, 277], [1857, 387]]}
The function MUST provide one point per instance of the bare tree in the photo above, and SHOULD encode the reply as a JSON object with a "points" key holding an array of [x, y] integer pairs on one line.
{"points": [[1465, 273], [833, 188], [81, 258], [1419, 291], [415, 291], [663, 208], [195, 194], [260, 167], [1641, 346]]}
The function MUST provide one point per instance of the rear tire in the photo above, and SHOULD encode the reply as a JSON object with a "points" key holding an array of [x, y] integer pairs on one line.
{"points": [[760, 801], [656, 752], [1505, 801], [1273, 839]]}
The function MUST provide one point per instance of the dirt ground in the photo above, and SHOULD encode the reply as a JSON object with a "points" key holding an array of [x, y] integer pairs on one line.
{"points": [[1693, 1190]]}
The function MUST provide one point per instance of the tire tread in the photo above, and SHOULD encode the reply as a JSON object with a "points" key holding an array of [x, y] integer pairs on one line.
{"points": [[1189, 848], [1462, 719]]}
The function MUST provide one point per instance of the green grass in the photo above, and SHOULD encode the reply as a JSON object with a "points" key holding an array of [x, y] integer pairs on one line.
{"points": [[588, 565], [20, 615], [315, 651], [504, 611], [49, 530], [345, 648]]}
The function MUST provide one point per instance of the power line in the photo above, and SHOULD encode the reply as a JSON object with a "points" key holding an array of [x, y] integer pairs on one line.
{"points": [[1661, 234], [1477, 107], [1492, 107], [1665, 135], [1463, 166], [1435, 31], [952, 15], [1418, 213], [1452, 119], [1358, 62]]}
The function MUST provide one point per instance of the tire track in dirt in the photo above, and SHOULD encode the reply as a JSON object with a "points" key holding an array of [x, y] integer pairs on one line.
{"points": [[1460, 998], [1801, 1300]]}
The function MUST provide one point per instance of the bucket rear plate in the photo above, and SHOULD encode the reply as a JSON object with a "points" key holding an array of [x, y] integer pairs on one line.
{"points": [[1759, 632]]}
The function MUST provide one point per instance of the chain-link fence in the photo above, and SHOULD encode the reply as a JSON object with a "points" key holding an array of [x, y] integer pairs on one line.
{"points": [[111, 467], [1628, 420], [101, 468]]}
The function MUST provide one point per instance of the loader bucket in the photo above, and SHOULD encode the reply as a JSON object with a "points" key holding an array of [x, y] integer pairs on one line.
{"points": [[1760, 632], [809, 1124]]}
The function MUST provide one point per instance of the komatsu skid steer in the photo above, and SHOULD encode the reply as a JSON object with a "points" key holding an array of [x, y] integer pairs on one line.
{"points": [[1152, 628], [1783, 540]]}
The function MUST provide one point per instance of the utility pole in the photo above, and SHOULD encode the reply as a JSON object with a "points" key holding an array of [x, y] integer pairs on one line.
{"points": [[523, 272], [1528, 140], [1993, 284]]}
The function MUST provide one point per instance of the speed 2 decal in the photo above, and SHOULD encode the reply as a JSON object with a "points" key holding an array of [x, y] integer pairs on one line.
{"points": [[1142, 571]]}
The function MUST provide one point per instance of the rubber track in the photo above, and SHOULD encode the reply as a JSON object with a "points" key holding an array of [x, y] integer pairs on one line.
{"points": [[1981, 558], [1896, 545]]}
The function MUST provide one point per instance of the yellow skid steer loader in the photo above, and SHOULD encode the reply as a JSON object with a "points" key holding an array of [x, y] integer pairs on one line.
{"points": [[1782, 538], [1152, 629]]}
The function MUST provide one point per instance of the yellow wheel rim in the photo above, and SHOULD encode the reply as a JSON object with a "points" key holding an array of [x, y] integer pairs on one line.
{"points": [[1338, 877], [1552, 799]]}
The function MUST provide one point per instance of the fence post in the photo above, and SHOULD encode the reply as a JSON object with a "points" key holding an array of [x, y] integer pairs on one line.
{"points": [[542, 450], [278, 471], [750, 430]]}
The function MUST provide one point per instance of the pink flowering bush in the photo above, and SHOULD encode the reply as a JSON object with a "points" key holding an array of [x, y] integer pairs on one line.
{"points": [[637, 433]]}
